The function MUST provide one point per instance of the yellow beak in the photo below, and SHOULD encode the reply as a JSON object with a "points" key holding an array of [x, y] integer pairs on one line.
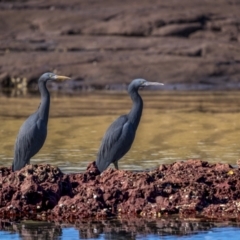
{"points": [[61, 78]]}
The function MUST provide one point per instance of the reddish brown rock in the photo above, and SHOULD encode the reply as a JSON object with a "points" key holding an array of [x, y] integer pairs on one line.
{"points": [[32, 189], [189, 188]]}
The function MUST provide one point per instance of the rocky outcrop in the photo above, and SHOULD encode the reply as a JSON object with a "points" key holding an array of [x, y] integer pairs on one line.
{"points": [[191, 188], [101, 44]]}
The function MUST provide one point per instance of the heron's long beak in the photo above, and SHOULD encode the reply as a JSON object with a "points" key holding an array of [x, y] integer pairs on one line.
{"points": [[152, 84], [61, 78]]}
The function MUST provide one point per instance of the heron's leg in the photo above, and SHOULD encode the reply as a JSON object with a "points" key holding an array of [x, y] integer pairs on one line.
{"points": [[116, 164]]}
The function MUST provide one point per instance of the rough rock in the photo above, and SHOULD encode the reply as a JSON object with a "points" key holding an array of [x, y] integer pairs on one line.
{"points": [[188, 188], [102, 44], [182, 30]]}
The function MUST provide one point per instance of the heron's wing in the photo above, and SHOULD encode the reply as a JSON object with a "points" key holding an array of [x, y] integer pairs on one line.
{"points": [[29, 141], [116, 142], [124, 143]]}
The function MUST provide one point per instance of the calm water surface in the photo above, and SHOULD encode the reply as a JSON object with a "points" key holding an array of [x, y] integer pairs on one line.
{"points": [[174, 126], [115, 229]]}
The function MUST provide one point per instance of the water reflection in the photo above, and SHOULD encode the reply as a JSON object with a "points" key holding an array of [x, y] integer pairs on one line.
{"points": [[29, 230], [136, 228]]}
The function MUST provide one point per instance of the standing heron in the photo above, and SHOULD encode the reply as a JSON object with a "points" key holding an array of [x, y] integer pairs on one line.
{"points": [[120, 135], [33, 132]]}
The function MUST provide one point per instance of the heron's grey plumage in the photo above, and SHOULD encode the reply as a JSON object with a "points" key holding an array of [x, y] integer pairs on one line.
{"points": [[120, 135], [33, 132], [116, 142], [30, 140]]}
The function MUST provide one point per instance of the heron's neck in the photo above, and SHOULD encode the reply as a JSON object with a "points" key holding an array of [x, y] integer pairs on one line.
{"points": [[45, 101], [135, 114]]}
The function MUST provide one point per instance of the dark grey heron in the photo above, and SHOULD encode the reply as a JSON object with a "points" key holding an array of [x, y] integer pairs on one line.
{"points": [[33, 132], [120, 135]]}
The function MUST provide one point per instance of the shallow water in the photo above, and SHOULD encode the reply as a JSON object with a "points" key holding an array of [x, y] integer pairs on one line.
{"points": [[174, 126], [114, 229]]}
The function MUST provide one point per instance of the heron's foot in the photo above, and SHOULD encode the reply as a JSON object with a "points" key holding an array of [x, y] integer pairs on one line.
{"points": [[116, 165]]}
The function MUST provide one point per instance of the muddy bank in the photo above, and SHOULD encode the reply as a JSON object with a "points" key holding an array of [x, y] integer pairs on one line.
{"points": [[108, 43], [192, 188]]}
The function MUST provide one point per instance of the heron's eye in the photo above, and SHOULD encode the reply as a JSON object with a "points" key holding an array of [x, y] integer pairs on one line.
{"points": [[50, 75]]}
